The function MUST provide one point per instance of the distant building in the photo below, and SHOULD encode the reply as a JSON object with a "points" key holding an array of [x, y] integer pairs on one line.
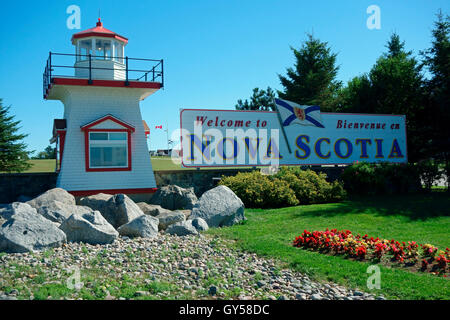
{"points": [[164, 152]]}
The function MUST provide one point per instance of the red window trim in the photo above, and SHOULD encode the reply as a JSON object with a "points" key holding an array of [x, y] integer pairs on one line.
{"points": [[105, 118], [83, 193], [61, 134], [88, 128], [86, 150]]}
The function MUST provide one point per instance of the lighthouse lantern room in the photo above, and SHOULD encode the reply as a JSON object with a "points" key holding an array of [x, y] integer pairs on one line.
{"points": [[101, 139]]}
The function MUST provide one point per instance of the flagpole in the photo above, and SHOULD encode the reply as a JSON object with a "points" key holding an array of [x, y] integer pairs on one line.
{"points": [[282, 127]]}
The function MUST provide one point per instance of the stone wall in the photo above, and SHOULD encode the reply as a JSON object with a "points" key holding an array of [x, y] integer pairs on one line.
{"points": [[202, 180], [32, 184], [13, 185]]}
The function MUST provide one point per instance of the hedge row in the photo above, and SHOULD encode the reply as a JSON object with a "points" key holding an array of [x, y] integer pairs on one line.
{"points": [[289, 187]]}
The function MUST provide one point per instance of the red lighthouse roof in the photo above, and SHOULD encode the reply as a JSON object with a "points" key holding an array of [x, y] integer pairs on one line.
{"points": [[98, 31]]}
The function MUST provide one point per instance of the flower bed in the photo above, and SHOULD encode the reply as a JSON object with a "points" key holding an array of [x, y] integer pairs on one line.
{"points": [[389, 252]]}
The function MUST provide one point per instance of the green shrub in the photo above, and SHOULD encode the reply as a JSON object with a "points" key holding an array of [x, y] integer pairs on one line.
{"points": [[260, 191], [311, 187], [429, 172], [289, 187], [381, 178]]}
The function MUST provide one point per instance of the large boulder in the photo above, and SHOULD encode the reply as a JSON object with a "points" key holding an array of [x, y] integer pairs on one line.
{"points": [[152, 209], [173, 197], [90, 228], [2, 209], [200, 224], [117, 210], [168, 218], [57, 211], [96, 202], [56, 194], [14, 208], [27, 230], [144, 226], [182, 228], [219, 207]]}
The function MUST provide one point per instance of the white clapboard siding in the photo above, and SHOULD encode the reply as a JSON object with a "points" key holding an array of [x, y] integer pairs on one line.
{"points": [[83, 105]]}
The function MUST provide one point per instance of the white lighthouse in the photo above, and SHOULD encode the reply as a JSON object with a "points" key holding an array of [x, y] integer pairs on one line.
{"points": [[101, 138]]}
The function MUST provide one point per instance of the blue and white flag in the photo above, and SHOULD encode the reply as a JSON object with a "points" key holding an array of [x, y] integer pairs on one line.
{"points": [[293, 113]]}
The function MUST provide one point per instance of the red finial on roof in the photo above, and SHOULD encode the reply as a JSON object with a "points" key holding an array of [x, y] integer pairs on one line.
{"points": [[98, 31], [99, 23]]}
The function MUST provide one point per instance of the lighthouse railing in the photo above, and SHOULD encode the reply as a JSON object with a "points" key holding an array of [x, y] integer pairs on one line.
{"points": [[88, 66]]}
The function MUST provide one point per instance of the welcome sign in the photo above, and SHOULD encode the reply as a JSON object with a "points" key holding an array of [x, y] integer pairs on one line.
{"points": [[295, 136]]}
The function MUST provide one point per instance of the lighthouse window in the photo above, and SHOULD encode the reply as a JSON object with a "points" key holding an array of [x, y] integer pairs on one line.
{"points": [[85, 48], [103, 49], [118, 51], [108, 149]]}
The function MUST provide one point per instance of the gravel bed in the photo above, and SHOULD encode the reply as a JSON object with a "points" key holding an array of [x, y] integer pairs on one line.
{"points": [[166, 267]]}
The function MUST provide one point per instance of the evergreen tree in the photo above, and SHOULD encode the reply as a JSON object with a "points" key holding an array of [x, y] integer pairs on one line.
{"points": [[260, 100], [437, 61], [394, 85], [312, 80], [13, 156], [356, 96]]}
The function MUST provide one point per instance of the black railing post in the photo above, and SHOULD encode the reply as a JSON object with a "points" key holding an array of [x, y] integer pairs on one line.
{"points": [[50, 66], [126, 71], [162, 73], [90, 70]]}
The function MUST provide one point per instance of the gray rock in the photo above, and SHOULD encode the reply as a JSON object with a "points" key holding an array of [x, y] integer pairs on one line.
{"points": [[219, 207], [51, 195], [186, 212], [27, 230], [182, 228], [144, 226], [357, 293], [96, 202], [316, 296], [117, 210], [200, 224], [168, 218], [212, 291], [152, 209], [173, 197], [16, 208], [90, 228], [299, 296], [57, 211]]}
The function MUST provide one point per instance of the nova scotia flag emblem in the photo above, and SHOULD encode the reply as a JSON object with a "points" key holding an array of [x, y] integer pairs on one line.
{"points": [[293, 113]]}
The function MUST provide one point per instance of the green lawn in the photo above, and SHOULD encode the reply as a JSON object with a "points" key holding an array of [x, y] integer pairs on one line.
{"points": [[44, 165], [158, 164], [423, 218]]}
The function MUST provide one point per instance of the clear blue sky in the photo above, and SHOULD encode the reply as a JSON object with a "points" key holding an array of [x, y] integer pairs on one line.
{"points": [[215, 51]]}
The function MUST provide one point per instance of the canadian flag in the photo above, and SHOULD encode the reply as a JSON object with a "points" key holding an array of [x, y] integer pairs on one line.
{"points": [[158, 127]]}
